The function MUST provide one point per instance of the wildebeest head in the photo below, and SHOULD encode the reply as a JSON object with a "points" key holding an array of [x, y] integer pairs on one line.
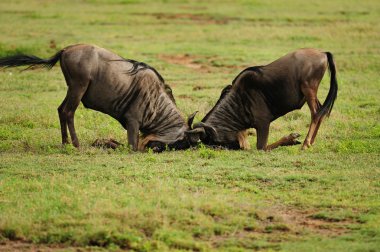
{"points": [[185, 138], [213, 130], [218, 137]]}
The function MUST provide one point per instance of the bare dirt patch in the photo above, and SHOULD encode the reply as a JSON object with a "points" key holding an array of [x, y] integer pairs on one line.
{"points": [[185, 97], [277, 224], [18, 246], [187, 60], [206, 64], [197, 87], [301, 221], [199, 18], [217, 19]]}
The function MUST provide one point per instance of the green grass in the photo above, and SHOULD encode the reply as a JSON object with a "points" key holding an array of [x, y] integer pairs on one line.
{"points": [[324, 199]]}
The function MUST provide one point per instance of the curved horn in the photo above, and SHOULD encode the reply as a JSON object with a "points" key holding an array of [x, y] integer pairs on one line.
{"points": [[195, 134], [191, 119], [197, 130], [206, 126]]}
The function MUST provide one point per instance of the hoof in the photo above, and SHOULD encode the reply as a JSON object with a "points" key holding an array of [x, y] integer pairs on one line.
{"points": [[305, 146], [75, 143], [292, 139], [295, 135], [106, 143]]}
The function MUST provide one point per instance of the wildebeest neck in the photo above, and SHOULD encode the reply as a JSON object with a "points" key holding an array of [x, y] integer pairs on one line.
{"points": [[161, 117], [165, 122], [145, 101], [229, 114]]}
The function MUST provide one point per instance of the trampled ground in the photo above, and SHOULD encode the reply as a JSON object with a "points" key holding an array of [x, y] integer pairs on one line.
{"points": [[59, 198]]}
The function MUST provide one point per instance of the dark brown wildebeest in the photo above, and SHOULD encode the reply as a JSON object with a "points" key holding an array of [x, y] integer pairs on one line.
{"points": [[261, 94], [131, 92]]}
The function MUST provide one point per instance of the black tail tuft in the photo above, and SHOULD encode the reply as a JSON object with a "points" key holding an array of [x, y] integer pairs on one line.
{"points": [[333, 92], [29, 60]]}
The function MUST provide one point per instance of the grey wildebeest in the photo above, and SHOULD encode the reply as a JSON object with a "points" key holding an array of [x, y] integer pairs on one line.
{"points": [[261, 94], [129, 91]]}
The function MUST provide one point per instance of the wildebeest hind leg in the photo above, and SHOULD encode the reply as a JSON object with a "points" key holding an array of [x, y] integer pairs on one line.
{"points": [[73, 98], [63, 122], [285, 141], [313, 103], [318, 124]]}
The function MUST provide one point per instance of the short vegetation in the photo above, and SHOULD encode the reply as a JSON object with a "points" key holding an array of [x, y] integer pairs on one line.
{"points": [[55, 197]]}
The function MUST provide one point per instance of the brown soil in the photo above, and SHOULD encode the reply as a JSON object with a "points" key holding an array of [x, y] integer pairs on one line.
{"points": [[185, 97], [21, 246], [196, 88], [199, 18], [207, 19], [303, 221], [205, 64], [278, 224], [184, 60], [300, 221]]}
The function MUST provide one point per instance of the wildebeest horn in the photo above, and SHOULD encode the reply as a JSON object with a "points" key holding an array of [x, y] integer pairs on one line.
{"points": [[191, 119], [206, 127], [195, 134]]}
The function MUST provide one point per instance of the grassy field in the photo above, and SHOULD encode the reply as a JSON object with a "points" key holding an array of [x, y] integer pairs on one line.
{"points": [[58, 198]]}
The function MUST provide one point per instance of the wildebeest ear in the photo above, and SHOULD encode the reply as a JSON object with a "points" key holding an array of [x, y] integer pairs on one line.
{"points": [[190, 119], [195, 135], [169, 92], [208, 129], [225, 90]]}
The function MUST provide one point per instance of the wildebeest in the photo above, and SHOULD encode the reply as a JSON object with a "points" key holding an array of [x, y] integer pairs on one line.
{"points": [[261, 94], [131, 92]]}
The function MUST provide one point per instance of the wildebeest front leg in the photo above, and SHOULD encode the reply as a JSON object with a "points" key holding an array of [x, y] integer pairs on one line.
{"points": [[133, 134], [262, 139], [262, 132]]}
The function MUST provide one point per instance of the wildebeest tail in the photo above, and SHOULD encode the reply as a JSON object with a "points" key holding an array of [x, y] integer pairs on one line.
{"points": [[29, 60], [333, 92]]}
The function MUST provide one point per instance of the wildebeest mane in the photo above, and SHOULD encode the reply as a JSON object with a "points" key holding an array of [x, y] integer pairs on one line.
{"points": [[138, 66], [256, 69], [225, 91]]}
